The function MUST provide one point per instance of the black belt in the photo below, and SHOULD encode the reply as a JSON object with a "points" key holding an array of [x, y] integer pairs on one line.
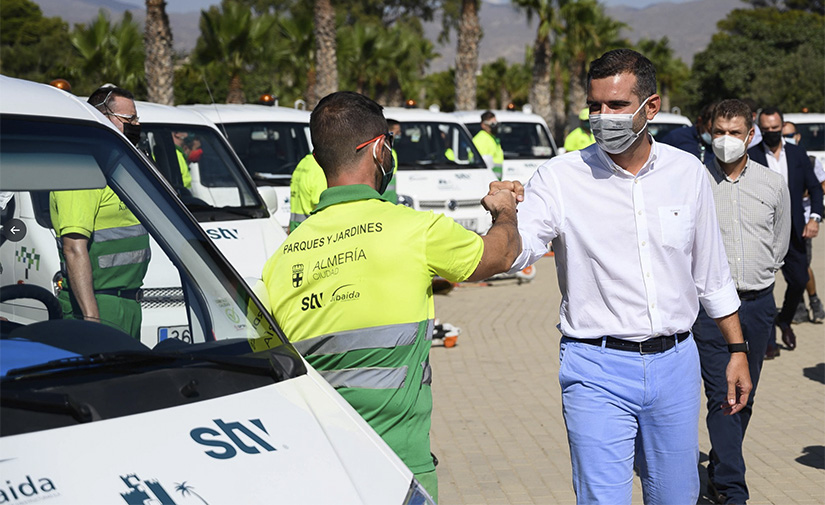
{"points": [[130, 294], [753, 295], [649, 346]]}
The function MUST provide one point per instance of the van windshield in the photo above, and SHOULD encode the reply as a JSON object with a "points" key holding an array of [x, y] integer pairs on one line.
{"points": [[813, 136], [199, 165], [435, 146], [521, 140], [269, 151]]}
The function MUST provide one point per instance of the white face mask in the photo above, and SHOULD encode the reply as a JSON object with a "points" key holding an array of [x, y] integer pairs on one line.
{"points": [[728, 149], [614, 132], [790, 140]]}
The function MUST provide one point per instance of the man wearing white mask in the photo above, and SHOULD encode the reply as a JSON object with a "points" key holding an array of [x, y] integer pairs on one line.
{"points": [[638, 248], [753, 207]]}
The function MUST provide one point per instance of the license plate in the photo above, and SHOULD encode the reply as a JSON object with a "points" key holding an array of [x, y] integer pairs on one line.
{"points": [[470, 224], [178, 332]]}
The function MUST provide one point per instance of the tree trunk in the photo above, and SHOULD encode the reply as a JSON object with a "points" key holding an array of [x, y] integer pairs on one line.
{"points": [[578, 95], [157, 38], [540, 87], [665, 98], [235, 93], [466, 58], [326, 64], [557, 112]]}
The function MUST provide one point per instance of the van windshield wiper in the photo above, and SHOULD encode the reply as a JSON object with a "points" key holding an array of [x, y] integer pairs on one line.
{"points": [[253, 212], [255, 366]]}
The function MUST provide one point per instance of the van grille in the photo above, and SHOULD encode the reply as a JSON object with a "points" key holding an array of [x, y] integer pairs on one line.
{"points": [[444, 204], [162, 297]]}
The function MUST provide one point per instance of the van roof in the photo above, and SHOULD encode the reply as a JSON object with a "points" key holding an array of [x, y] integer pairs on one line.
{"points": [[150, 113], [245, 113], [668, 117], [804, 117], [18, 96], [403, 114], [506, 116]]}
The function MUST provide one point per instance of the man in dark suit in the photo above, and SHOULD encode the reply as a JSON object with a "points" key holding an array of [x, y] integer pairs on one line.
{"points": [[793, 164]]}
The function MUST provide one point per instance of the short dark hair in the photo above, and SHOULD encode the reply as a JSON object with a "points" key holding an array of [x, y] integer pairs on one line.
{"points": [[340, 122], [750, 102], [791, 123], [391, 123], [488, 114], [732, 108], [621, 61], [102, 96], [706, 113], [770, 111]]}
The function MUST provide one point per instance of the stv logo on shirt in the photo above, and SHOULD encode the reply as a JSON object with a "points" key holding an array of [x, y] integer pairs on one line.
{"points": [[297, 275]]}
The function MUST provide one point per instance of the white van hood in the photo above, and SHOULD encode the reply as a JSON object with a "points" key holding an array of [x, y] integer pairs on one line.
{"points": [[290, 442], [246, 243]]}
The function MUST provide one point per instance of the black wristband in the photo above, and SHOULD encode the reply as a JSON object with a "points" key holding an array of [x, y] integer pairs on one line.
{"points": [[743, 347]]}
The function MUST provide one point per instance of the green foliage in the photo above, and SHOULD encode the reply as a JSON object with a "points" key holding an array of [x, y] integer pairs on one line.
{"points": [[439, 89], [500, 84], [771, 56], [33, 47], [109, 53]]}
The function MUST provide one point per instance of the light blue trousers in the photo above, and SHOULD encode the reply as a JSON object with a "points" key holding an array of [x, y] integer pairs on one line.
{"points": [[624, 409]]}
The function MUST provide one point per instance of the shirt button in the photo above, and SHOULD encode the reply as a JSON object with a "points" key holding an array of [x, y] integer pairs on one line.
{"points": [[652, 305], [644, 243], [647, 274], [640, 213]]}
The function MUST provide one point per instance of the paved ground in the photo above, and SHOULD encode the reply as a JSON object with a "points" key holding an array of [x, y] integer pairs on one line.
{"points": [[497, 425]]}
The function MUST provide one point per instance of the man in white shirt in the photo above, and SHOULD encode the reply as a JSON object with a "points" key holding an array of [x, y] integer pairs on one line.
{"points": [[753, 207], [637, 248]]}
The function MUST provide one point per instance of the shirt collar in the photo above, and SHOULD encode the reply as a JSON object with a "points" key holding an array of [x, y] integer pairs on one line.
{"points": [[724, 176], [616, 169], [348, 193]]}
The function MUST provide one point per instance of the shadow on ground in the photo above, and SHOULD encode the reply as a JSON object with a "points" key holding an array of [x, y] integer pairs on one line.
{"points": [[813, 456], [815, 373]]}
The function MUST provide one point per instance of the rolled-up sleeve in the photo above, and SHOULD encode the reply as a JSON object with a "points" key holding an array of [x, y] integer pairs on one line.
{"points": [[538, 217], [711, 273]]}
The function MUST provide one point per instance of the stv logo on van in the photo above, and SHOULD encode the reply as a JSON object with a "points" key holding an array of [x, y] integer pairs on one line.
{"points": [[227, 443]]}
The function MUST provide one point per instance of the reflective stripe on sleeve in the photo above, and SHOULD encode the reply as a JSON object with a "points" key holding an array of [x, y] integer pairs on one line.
{"points": [[119, 233], [297, 218], [366, 378], [377, 337], [427, 378], [124, 258]]}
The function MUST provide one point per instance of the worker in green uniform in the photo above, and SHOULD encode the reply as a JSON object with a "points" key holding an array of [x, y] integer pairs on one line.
{"points": [[351, 287], [581, 137], [391, 194], [102, 245], [488, 143], [179, 138], [305, 188]]}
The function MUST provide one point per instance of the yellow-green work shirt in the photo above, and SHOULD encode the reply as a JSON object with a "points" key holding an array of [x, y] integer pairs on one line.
{"points": [[305, 188], [578, 139], [352, 289]]}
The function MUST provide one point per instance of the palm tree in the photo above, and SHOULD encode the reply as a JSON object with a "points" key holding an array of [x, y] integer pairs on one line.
{"points": [[110, 53], [670, 71], [157, 38], [326, 62], [233, 39], [545, 11], [184, 490], [466, 58]]}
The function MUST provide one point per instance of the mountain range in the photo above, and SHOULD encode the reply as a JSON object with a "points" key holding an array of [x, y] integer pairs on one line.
{"points": [[689, 25]]}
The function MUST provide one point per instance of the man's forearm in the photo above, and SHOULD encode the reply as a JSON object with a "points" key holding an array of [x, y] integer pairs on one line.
{"points": [[730, 328], [502, 245], [79, 269]]}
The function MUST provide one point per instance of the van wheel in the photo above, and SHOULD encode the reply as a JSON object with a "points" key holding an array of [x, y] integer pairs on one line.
{"points": [[42, 295]]}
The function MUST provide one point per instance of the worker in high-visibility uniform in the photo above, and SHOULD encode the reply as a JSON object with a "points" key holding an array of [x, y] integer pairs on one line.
{"points": [[179, 138], [488, 143], [102, 245], [581, 137], [351, 287], [305, 188], [391, 194]]}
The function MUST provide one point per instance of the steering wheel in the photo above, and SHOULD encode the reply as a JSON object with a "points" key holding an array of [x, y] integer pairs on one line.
{"points": [[42, 295]]}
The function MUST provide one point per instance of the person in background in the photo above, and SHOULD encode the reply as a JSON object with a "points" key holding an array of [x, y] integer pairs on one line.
{"points": [[695, 139], [352, 286], [305, 188], [488, 143], [753, 210], [817, 314], [757, 135], [581, 137], [391, 194], [103, 248], [180, 139], [632, 276], [792, 163]]}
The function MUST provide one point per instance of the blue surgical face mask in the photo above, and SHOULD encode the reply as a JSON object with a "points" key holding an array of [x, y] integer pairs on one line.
{"points": [[706, 138], [790, 138], [614, 132]]}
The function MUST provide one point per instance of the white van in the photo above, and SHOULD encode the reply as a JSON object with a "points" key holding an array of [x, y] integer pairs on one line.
{"points": [[90, 415], [211, 183], [439, 168], [525, 140], [666, 122], [811, 127], [269, 140]]}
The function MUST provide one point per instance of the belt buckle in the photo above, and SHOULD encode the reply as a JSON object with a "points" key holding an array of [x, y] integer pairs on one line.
{"points": [[642, 349], [139, 295]]}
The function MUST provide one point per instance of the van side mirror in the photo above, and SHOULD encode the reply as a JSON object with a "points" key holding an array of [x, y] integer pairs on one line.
{"points": [[270, 198]]}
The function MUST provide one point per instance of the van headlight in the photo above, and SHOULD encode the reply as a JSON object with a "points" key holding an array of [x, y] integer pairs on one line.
{"points": [[405, 200], [417, 495]]}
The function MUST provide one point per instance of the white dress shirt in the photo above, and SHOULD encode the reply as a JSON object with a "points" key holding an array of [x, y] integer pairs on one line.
{"points": [[635, 254], [780, 165]]}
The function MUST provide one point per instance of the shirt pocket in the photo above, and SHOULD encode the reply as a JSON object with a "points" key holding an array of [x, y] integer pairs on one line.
{"points": [[675, 221]]}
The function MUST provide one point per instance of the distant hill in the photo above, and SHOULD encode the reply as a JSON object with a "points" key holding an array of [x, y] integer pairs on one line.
{"points": [[689, 25]]}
